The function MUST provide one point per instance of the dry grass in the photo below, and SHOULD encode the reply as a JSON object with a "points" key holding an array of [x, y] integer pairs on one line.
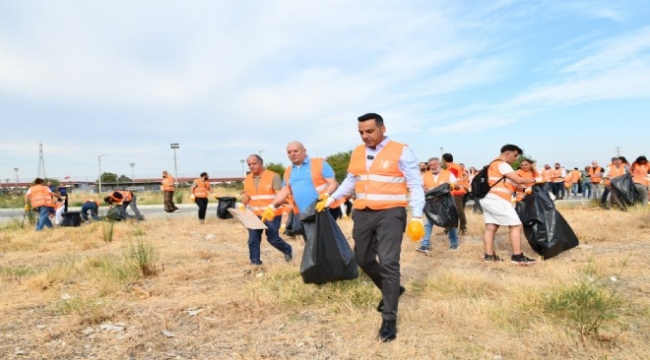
{"points": [[68, 294]]}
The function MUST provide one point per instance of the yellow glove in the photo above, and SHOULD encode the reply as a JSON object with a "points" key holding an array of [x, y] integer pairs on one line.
{"points": [[324, 201], [269, 214], [241, 207], [539, 180], [26, 207], [214, 196], [192, 197], [415, 230]]}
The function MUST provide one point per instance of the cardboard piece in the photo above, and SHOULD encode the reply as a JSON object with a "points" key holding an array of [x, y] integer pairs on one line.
{"points": [[248, 219]]}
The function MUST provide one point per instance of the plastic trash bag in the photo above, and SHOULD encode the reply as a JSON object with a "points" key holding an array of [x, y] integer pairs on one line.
{"points": [[71, 218], [225, 203], [624, 187], [440, 207], [327, 256], [545, 228], [294, 225]]}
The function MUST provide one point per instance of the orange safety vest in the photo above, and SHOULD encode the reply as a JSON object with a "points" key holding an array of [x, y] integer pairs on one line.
{"points": [[320, 184], [640, 173], [126, 196], [201, 189], [458, 174], [92, 200], [502, 188], [168, 183], [40, 195], [547, 175], [614, 172], [431, 182], [575, 176], [596, 175], [567, 181], [383, 185], [263, 195], [520, 195], [556, 174]]}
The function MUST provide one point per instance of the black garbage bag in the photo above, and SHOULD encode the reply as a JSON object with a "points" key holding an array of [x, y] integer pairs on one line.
{"points": [[624, 187], [294, 225], [71, 218], [327, 256], [545, 228], [117, 213], [225, 203], [440, 207]]}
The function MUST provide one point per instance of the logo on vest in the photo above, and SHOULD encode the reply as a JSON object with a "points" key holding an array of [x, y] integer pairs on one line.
{"points": [[386, 164]]}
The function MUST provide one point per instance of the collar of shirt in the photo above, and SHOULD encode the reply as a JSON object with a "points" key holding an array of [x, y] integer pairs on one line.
{"points": [[370, 152], [304, 162]]}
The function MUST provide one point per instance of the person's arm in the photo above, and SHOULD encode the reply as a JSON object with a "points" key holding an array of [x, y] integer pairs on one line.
{"points": [[330, 177], [512, 176], [281, 196], [346, 188], [409, 166], [193, 187], [453, 182]]}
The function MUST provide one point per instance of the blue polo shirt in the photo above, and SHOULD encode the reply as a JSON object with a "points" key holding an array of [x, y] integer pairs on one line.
{"points": [[302, 186]]}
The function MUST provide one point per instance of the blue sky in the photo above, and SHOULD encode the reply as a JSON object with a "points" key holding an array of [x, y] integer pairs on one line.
{"points": [[568, 81]]}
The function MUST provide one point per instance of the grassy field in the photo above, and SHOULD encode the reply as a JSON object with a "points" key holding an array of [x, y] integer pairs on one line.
{"points": [[173, 289]]}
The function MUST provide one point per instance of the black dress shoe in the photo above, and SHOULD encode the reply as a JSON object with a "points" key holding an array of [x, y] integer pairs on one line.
{"points": [[380, 306], [388, 331]]}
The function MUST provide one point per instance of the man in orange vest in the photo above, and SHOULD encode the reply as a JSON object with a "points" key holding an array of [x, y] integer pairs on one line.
{"points": [[199, 194], [305, 180], [557, 181], [498, 209], [123, 199], [459, 191], [381, 175], [168, 183], [596, 174], [615, 169], [40, 198], [575, 176], [432, 179], [260, 189]]}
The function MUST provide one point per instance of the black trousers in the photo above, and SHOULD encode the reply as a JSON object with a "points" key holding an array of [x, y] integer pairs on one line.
{"points": [[169, 202], [377, 245], [460, 209], [203, 206]]}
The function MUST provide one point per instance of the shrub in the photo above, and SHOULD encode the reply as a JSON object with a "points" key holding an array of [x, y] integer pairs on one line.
{"points": [[108, 231], [142, 255]]}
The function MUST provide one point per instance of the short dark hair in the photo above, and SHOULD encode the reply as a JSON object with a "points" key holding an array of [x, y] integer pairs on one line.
{"points": [[108, 200], [372, 116], [447, 157], [259, 158], [203, 174], [511, 147], [38, 181]]}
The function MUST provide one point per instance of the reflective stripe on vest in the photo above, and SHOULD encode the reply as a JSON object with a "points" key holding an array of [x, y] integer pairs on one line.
{"points": [[168, 183], [640, 173], [320, 183], [501, 188], [40, 195], [201, 189], [547, 175], [263, 195], [520, 195], [453, 166], [383, 185]]}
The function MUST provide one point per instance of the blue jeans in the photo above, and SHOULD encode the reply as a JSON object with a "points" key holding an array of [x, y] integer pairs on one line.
{"points": [[586, 190], [428, 227], [43, 218], [86, 207], [272, 235], [574, 189]]}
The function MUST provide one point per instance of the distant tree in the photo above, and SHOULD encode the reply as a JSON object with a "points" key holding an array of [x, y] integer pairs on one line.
{"points": [[54, 182], [276, 167], [339, 163], [109, 177], [516, 164], [124, 179]]}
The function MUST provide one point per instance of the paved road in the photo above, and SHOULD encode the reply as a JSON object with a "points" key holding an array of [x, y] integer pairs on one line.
{"points": [[186, 210], [149, 211]]}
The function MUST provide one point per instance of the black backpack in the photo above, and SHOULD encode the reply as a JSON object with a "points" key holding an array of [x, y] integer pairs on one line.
{"points": [[480, 185]]}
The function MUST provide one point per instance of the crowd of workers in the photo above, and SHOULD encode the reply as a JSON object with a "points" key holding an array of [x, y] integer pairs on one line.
{"points": [[383, 179]]}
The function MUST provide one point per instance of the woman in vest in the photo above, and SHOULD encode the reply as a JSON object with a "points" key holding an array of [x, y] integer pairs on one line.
{"points": [[526, 171], [640, 171], [40, 198], [168, 191], [199, 193]]}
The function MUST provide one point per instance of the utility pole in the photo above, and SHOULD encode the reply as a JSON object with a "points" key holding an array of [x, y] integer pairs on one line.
{"points": [[618, 151], [132, 174], [99, 163], [16, 170], [41, 162], [243, 171], [175, 146]]}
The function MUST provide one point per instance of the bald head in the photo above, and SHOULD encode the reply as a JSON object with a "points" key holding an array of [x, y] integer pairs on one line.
{"points": [[296, 152]]}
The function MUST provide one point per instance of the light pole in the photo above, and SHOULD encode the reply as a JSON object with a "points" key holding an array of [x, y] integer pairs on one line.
{"points": [[243, 171], [99, 164], [175, 146], [132, 174], [16, 170]]}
